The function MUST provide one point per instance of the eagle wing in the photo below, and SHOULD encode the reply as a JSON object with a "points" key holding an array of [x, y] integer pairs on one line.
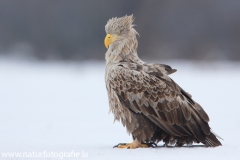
{"points": [[148, 90]]}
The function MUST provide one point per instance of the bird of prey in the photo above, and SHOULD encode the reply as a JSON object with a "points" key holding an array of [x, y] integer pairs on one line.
{"points": [[145, 99]]}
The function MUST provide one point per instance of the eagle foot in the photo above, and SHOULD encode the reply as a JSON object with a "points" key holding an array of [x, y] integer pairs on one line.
{"points": [[133, 145]]}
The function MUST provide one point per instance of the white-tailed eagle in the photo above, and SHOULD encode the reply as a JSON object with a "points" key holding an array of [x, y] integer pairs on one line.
{"points": [[145, 99]]}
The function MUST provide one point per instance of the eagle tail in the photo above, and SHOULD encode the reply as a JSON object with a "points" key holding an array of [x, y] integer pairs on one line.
{"points": [[216, 134], [212, 141]]}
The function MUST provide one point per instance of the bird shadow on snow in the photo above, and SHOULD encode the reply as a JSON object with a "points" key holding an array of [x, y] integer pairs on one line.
{"points": [[193, 146]]}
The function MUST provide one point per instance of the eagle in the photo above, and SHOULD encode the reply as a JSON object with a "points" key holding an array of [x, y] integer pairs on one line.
{"points": [[145, 99]]}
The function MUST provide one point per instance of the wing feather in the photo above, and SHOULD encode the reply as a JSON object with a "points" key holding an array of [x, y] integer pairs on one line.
{"points": [[149, 91]]}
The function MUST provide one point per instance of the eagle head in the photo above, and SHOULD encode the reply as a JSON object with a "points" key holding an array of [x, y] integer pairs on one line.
{"points": [[119, 29]]}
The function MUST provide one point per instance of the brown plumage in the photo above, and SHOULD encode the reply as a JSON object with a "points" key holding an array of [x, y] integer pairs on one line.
{"points": [[145, 99]]}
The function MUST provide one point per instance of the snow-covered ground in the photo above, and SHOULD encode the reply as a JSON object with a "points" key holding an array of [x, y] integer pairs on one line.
{"points": [[63, 107]]}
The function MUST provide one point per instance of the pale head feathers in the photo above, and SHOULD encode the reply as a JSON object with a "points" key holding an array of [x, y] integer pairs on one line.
{"points": [[120, 26]]}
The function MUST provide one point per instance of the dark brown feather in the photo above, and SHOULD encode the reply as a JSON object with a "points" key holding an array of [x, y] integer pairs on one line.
{"points": [[178, 118]]}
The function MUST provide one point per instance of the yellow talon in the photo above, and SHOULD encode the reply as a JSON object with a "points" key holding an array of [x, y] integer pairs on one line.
{"points": [[127, 145], [131, 146], [135, 144]]}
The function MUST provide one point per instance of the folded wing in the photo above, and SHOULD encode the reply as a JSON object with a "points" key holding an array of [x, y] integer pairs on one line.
{"points": [[148, 90]]}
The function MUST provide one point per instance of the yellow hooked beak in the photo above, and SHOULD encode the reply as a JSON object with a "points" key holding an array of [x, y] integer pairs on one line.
{"points": [[110, 38]]}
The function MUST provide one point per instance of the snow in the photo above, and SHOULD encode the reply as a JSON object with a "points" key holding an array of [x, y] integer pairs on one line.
{"points": [[63, 107]]}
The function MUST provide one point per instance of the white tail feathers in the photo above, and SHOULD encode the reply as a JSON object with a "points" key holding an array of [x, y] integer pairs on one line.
{"points": [[216, 134]]}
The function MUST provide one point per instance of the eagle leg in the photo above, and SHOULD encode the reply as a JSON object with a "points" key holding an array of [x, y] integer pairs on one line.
{"points": [[135, 144], [151, 144]]}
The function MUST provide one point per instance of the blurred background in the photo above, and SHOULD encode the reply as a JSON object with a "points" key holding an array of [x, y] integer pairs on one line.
{"points": [[74, 30]]}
